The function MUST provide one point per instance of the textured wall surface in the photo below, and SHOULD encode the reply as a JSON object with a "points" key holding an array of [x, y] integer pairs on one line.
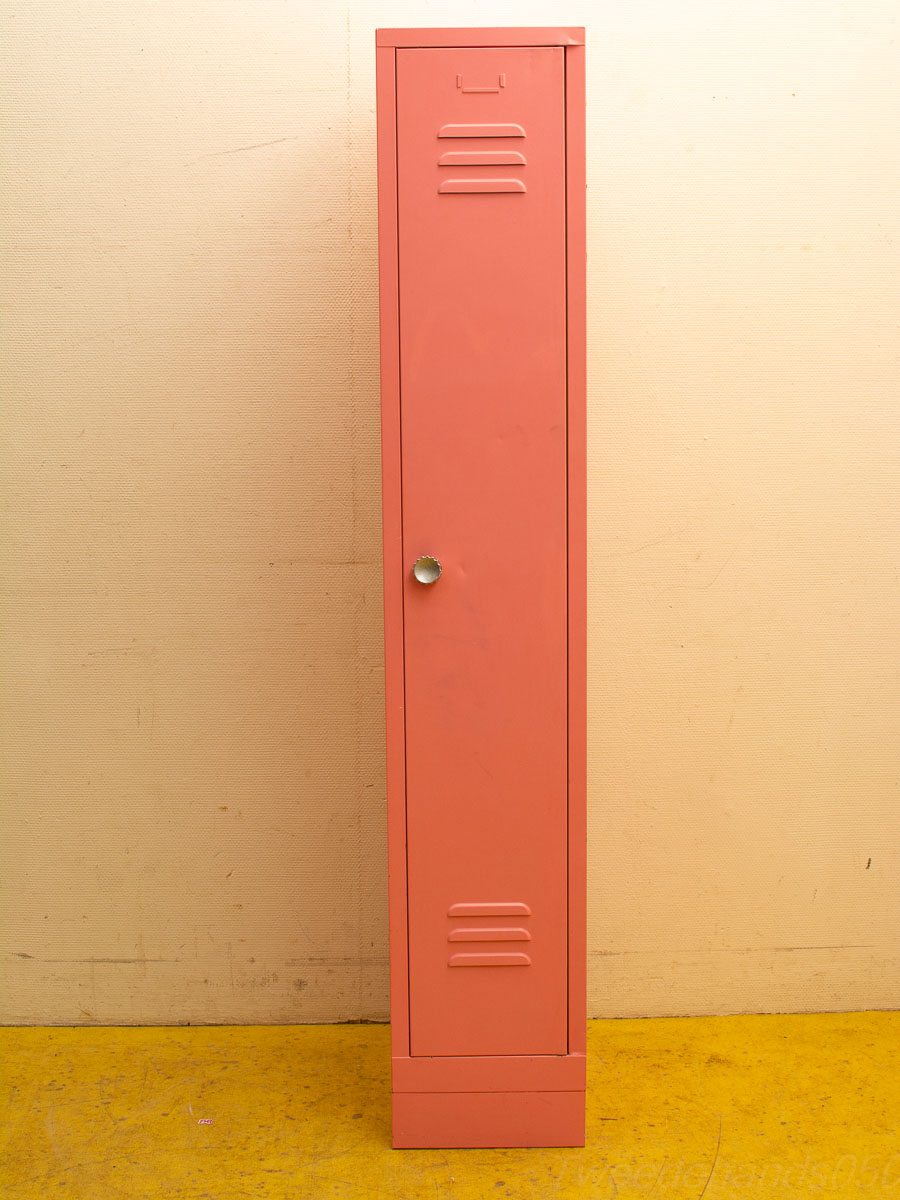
{"points": [[192, 727]]}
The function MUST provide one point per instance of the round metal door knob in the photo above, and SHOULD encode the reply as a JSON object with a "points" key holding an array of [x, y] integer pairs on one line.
{"points": [[427, 569]]}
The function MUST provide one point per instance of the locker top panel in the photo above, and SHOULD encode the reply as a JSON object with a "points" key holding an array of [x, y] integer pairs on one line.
{"points": [[516, 36]]}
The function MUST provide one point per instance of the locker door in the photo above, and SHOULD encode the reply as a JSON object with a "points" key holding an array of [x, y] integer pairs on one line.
{"points": [[481, 228]]}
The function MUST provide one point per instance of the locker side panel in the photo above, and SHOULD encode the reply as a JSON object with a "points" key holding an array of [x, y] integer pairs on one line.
{"points": [[389, 331], [576, 326]]}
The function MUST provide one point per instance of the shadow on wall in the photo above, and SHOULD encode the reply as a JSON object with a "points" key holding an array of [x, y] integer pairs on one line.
{"points": [[299, 799]]}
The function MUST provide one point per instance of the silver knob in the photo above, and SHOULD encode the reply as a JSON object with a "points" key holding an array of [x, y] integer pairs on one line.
{"points": [[427, 569]]}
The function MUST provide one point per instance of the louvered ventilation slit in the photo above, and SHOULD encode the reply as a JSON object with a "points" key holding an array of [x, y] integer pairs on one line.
{"points": [[478, 131], [490, 960], [492, 908], [481, 158], [482, 185], [485, 933]]}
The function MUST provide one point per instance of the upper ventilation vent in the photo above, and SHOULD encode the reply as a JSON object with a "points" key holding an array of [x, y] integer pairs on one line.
{"points": [[479, 131]]}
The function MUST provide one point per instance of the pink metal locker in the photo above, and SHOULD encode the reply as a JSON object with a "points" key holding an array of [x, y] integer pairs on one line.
{"points": [[481, 262]]}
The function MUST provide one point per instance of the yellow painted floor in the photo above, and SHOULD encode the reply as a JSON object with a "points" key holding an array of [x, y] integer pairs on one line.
{"points": [[715, 1107]]}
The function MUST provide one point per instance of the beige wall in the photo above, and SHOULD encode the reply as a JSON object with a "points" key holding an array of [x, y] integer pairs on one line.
{"points": [[192, 719]]}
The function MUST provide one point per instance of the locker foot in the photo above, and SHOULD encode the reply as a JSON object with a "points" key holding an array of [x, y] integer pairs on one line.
{"points": [[441, 1120]]}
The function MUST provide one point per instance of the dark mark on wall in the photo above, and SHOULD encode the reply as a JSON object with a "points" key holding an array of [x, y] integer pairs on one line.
{"points": [[98, 960]]}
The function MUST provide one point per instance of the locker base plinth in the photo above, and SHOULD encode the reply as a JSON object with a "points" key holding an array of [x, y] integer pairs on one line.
{"points": [[444, 1120]]}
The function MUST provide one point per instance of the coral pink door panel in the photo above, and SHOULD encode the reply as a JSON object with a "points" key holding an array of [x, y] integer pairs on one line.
{"points": [[482, 285]]}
